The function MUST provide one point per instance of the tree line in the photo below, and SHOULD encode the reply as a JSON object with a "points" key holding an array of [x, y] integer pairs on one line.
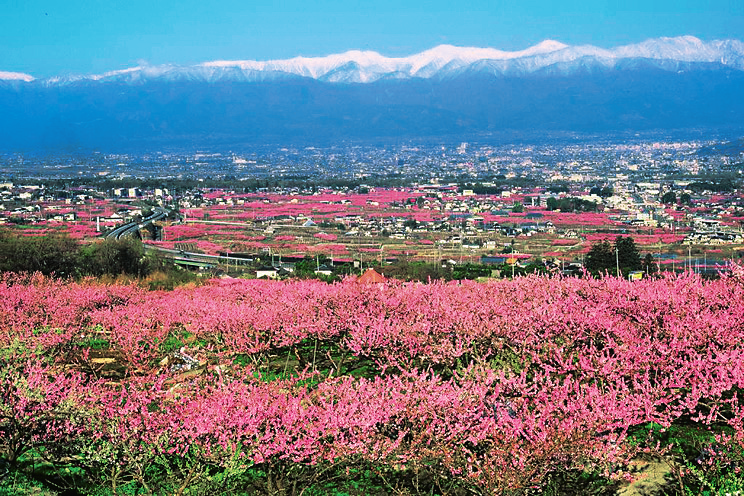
{"points": [[60, 255], [620, 257]]}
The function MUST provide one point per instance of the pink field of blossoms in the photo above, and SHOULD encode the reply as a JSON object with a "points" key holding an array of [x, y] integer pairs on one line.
{"points": [[485, 387], [229, 226]]}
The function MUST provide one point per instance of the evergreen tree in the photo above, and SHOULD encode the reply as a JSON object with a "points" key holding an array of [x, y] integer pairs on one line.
{"points": [[627, 254], [607, 191], [669, 197], [601, 257], [604, 256]]}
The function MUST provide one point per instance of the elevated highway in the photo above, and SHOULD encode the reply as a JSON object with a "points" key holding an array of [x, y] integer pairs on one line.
{"points": [[131, 228]]}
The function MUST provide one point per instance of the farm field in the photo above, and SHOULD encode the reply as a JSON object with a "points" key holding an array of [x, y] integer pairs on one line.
{"points": [[388, 224], [522, 386]]}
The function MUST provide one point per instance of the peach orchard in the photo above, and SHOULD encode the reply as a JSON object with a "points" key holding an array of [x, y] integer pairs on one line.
{"points": [[442, 387]]}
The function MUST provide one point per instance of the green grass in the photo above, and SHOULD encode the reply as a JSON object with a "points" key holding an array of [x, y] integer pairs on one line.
{"points": [[93, 343]]}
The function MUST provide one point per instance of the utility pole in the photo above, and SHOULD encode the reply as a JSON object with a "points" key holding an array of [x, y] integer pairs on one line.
{"points": [[689, 257], [658, 262], [617, 261]]}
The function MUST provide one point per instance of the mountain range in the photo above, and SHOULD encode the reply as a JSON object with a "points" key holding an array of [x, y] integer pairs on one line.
{"points": [[663, 83]]}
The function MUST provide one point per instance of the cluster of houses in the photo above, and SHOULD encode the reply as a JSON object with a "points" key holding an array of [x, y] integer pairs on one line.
{"points": [[461, 212], [711, 232]]}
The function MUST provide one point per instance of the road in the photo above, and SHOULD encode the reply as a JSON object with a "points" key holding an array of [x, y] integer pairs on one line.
{"points": [[131, 228], [178, 256]]}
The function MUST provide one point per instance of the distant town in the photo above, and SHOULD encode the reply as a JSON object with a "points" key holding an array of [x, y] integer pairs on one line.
{"points": [[460, 203]]}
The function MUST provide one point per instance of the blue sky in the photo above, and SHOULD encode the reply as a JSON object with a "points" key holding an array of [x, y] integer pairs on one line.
{"points": [[53, 37]]}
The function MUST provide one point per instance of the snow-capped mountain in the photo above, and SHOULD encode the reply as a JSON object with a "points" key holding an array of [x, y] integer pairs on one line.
{"points": [[665, 83], [15, 76], [440, 62]]}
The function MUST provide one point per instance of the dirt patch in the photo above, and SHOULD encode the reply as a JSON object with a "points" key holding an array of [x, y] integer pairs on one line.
{"points": [[650, 478]]}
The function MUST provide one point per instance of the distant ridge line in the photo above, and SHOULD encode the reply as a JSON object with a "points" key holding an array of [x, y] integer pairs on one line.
{"points": [[356, 66]]}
